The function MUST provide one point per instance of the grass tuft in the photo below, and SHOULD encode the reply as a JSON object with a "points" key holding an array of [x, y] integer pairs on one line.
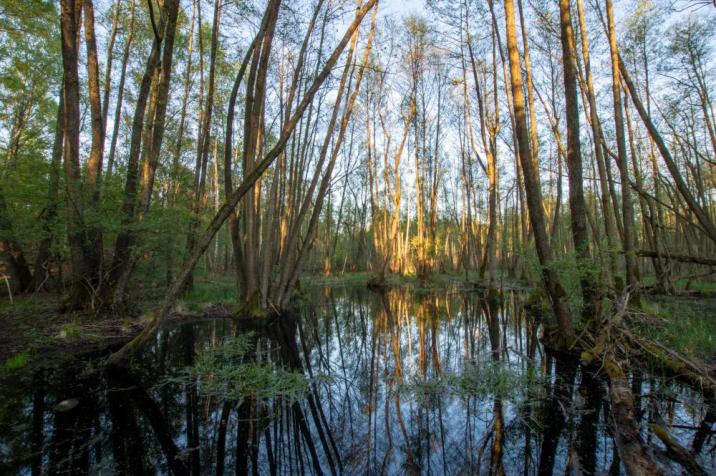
{"points": [[17, 361]]}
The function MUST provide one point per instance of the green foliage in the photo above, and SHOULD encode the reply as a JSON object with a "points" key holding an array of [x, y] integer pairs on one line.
{"points": [[17, 361], [687, 325], [234, 371], [488, 379], [70, 331], [216, 291]]}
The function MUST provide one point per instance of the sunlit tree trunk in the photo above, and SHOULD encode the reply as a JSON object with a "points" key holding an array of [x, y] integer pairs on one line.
{"points": [[204, 138], [632, 271], [108, 67], [83, 281]]}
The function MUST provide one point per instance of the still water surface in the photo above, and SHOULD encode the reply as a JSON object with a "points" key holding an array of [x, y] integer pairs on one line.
{"points": [[407, 382]]}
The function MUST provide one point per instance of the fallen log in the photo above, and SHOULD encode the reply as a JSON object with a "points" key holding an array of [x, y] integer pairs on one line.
{"points": [[679, 258], [673, 449], [675, 363], [627, 439]]}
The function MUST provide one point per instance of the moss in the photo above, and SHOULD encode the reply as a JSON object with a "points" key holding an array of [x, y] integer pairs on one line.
{"points": [[613, 369], [17, 361], [252, 308]]}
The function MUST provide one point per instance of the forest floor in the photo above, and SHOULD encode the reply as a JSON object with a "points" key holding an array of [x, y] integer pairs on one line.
{"points": [[31, 326], [686, 324]]}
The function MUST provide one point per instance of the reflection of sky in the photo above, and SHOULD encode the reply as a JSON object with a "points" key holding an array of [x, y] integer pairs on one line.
{"points": [[349, 341], [446, 431]]}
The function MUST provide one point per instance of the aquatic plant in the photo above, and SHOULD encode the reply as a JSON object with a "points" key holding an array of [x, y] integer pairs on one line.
{"points": [[235, 370]]}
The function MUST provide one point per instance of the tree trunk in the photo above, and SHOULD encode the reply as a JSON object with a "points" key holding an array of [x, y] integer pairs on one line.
{"points": [[48, 216], [120, 91], [204, 139], [577, 204], [622, 163], [83, 283], [530, 172], [233, 199], [607, 205]]}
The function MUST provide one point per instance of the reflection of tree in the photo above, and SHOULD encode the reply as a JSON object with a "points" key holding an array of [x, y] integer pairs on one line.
{"points": [[586, 446], [491, 308], [389, 407], [283, 332], [191, 402], [125, 436], [71, 439], [559, 398], [38, 411], [122, 379]]}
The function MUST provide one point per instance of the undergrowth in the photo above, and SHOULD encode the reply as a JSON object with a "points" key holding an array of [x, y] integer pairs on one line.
{"points": [[235, 371]]}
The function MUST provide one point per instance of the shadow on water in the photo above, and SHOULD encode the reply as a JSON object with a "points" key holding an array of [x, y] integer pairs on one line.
{"points": [[402, 382]]}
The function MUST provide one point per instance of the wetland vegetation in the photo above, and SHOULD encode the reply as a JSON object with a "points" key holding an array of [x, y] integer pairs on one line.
{"points": [[357, 237]]}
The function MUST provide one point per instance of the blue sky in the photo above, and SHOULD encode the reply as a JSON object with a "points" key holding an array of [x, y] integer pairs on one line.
{"points": [[402, 6]]}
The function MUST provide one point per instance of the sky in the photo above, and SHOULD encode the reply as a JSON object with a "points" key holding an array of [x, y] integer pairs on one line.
{"points": [[402, 6]]}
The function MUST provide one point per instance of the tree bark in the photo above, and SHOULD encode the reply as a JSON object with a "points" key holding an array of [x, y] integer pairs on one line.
{"points": [[530, 172], [82, 287], [622, 163], [577, 204], [48, 216]]}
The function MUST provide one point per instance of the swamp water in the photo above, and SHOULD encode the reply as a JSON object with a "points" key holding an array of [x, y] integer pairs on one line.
{"points": [[408, 382]]}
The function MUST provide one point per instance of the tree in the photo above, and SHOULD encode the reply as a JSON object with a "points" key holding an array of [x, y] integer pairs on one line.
{"points": [[530, 173]]}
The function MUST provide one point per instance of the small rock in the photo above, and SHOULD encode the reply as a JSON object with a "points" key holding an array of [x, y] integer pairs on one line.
{"points": [[66, 405]]}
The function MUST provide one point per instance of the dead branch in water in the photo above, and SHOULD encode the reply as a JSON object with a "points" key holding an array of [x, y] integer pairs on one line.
{"points": [[673, 449], [613, 347]]}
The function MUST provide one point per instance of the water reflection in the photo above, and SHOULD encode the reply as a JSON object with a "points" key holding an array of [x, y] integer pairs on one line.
{"points": [[404, 382]]}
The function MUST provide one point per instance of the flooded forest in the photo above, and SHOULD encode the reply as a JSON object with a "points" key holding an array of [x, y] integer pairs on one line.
{"points": [[374, 237]]}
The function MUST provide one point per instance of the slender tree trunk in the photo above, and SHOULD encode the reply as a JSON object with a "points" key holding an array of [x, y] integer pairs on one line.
{"points": [[632, 272], [530, 172], [204, 141], [120, 91], [577, 204], [607, 205], [93, 171], [48, 217]]}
